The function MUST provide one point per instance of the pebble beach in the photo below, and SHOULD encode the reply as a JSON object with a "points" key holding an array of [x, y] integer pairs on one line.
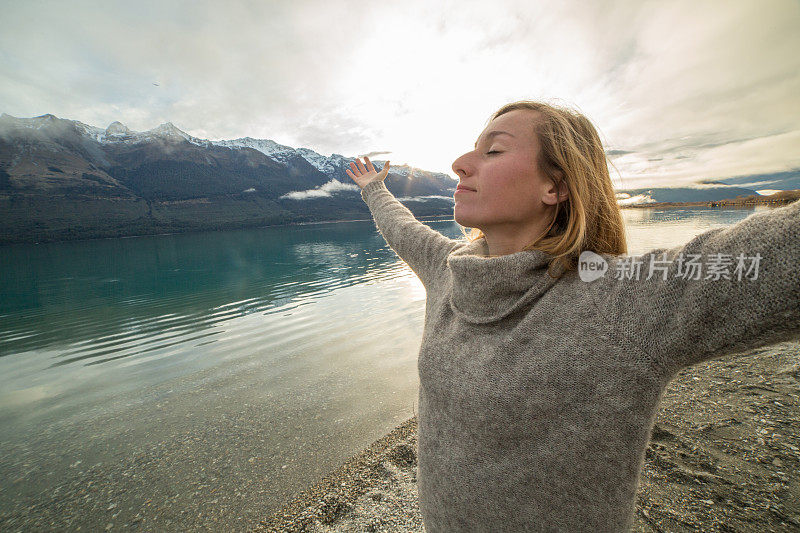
{"points": [[723, 451]]}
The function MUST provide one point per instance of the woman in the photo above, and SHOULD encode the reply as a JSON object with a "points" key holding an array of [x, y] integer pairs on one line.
{"points": [[538, 390]]}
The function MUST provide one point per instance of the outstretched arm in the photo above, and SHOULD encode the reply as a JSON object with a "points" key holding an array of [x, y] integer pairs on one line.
{"points": [[728, 290], [422, 248]]}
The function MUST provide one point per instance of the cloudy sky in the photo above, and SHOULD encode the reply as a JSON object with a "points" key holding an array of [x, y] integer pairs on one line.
{"points": [[680, 90]]}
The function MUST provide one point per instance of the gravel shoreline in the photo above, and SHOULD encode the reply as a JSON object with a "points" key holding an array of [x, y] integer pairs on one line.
{"points": [[373, 491], [721, 458]]}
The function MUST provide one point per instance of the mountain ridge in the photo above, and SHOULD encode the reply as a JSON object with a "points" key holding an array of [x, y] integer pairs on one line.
{"points": [[63, 179]]}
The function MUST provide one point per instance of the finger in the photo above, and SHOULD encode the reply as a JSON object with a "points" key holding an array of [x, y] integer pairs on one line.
{"points": [[350, 173], [353, 165], [361, 166], [370, 167]]}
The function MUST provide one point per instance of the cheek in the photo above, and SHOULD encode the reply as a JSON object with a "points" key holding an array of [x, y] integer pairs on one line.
{"points": [[516, 191], [519, 201]]}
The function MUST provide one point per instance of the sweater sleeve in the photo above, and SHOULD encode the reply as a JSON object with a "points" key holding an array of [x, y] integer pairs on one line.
{"points": [[728, 290], [423, 249]]}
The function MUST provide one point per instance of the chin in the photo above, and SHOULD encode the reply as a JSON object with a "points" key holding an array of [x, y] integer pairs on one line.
{"points": [[464, 219]]}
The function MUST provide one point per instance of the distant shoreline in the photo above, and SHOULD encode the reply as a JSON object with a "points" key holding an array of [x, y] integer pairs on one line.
{"points": [[51, 240], [779, 198]]}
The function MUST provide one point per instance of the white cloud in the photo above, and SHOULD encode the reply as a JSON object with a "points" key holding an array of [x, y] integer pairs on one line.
{"points": [[321, 192], [626, 199]]}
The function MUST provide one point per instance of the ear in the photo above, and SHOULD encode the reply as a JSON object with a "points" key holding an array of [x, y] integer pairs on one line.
{"points": [[556, 193]]}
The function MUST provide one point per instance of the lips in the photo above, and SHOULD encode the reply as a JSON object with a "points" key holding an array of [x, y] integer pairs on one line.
{"points": [[464, 188]]}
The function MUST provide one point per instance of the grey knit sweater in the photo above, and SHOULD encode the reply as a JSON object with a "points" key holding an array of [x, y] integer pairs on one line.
{"points": [[537, 397]]}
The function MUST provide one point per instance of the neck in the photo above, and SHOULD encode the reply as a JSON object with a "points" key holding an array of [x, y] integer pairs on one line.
{"points": [[512, 238]]}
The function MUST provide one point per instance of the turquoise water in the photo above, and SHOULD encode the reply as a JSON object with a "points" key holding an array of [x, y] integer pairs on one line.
{"points": [[203, 379]]}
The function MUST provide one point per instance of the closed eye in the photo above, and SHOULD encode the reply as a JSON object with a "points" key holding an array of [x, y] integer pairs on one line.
{"points": [[493, 152]]}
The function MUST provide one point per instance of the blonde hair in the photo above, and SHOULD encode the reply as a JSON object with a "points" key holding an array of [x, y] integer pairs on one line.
{"points": [[572, 154]]}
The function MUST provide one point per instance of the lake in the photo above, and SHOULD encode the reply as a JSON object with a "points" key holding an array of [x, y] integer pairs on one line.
{"points": [[198, 381]]}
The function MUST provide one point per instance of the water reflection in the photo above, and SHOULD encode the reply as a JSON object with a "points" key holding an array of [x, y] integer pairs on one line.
{"points": [[99, 297], [648, 229], [108, 316]]}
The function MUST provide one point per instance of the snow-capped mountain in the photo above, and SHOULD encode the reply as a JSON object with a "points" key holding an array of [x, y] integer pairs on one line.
{"points": [[265, 146], [35, 123], [62, 178], [116, 132]]}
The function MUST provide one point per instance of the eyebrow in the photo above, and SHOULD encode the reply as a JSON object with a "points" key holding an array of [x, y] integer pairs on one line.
{"points": [[493, 134]]}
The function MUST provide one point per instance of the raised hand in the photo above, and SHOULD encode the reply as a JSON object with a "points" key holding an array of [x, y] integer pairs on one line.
{"points": [[363, 175]]}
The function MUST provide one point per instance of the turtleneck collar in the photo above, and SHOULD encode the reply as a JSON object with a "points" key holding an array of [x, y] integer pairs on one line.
{"points": [[486, 289]]}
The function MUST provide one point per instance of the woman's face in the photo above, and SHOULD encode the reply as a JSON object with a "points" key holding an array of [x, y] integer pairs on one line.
{"points": [[507, 188]]}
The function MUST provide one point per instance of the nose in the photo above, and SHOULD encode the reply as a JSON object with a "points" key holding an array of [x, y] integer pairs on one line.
{"points": [[461, 166]]}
